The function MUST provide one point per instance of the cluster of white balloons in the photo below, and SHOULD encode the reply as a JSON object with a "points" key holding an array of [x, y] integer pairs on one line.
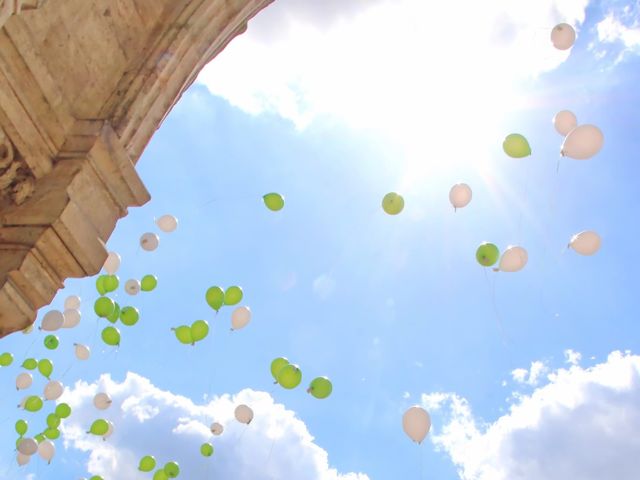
{"points": [[580, 142], [28, 446], [149, 241]]}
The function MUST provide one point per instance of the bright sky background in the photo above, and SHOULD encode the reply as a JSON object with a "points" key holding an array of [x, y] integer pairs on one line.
{"points": [[531, 375]]}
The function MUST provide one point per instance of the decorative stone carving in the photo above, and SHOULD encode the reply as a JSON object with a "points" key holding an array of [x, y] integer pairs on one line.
{"points": [[16, 180]]}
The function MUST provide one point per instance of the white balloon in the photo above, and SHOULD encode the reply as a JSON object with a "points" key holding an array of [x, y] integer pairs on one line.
{"points": [[167, 223], [102, 401], [72, 302], [22, 459], [563, 36], [109, 430], [244, 414], [586, 243], [28, 446], [564, 122], [582, 142], [46, 449], [460, 195], [513, 259], [24, 380], [240, 318], [132, 286], [71, 318], [112, 263], [82, 351], [416, 423], [217, 428], [53, 390], [149, 241], [52, 321]]}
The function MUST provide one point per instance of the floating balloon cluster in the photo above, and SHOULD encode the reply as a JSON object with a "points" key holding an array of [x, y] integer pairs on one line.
{"points": [[289, 376]]}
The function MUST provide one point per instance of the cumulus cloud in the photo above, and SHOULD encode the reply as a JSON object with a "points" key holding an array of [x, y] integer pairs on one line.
{"points": [[582, 424], [619, 32], [572, 357], [323, 286], [531, 376], [151, 421]]}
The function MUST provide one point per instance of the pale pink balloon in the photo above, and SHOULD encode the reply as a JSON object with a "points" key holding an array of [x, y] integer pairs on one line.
{"points": [[586, 243], [244, 414], [564, 122], [513, 259], [582, 142], [563, 36], [416, 423], [460, 195]]}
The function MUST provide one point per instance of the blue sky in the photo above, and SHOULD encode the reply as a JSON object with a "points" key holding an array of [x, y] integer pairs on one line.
{"points": [[395, 310]]}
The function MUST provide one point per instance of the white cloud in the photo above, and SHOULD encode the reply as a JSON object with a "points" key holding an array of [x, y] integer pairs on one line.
{"points": [[572, 357], [151, 421], [582, 424], [611, 30], [619, 32], [324, 285], [531, 376]]}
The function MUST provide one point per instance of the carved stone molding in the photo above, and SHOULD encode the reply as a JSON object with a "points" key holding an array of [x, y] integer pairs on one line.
{"points": [[16, 180]]}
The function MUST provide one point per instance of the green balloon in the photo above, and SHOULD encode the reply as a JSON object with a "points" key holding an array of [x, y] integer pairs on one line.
{"points": [[45, 367], [30, 364], [6, 359], [392, 203], [39, 438], [183, 334], [129, 316], [51, 342], [516, 146], [172, 469], [99, 427], [115, 315], [233, 295], [63, 410], [100, 285], [487, 254], [199, 330], [206, 449], [96, 477], [273, 201], [52, 433], [215, 297], [21, 427], [277, 365], [33, 404], [148, 283], [160, 475], [111, 283], [320, 387], [111, 336], [53, 421], [290, 376], [104, 307], [147, 463]]}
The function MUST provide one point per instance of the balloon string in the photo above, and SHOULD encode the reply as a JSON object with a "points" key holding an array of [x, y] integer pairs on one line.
{"points": [[492, 289], [29, 348], [270, 452]]}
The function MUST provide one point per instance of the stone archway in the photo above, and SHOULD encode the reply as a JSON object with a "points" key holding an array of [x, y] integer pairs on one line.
{"points": [[84, 84]]}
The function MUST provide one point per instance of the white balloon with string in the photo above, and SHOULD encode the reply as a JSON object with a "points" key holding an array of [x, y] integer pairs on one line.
{"points": [[72, 302], [72, 318], [112, 263], [102, 401], [53, 390], [82, 352], [132, 286], [149, 241], [167, 223], [24, 380]]}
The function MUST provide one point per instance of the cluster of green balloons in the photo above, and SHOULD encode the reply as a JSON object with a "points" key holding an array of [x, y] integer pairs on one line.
{"points": [[53, 421], [106, 308], [170, 469], [289, 376], [216, 297], [189, 335], [44, 366], [107, 284]]}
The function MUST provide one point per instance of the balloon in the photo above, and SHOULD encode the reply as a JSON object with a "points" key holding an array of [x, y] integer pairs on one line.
{"points": [[102, 401], [172, 469], [109, 430], [115, 315], [277, 365], [33, 404], [28, 446], [52, 433], [160, 475], [63, 410], [72, 302], [111, 283], [24, 380], [215, 297], [23, 459], [30, 364], [244, 414], [21, 427], [585, 243], [563, 36], [392, 203], [47, 450], [460, 195], [516, 146], [232, 295], [132, 286], [129, 316], [167, 223], [6, 359], [71, 318], [39, 438], [52, 321], [513, 259], [28, 329], [183, 334], [206, 449], [582, 142], [149, 241], [320, 387], [290, 376], [45, 367], [104, 307], [199, 330], [53, 390], [82, 351], [240, 318], [217, 428], [148, 283], [487, 254], [147, 463], [53, 421], [273, 201], [100, 285], [99, 427], [96, 477], [416, 423], [51, 342], [112, 263], [564, 122], [111, 336]]}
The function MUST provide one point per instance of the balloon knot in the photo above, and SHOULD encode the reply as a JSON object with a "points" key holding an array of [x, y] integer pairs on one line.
{"points": [[496, 269]]}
